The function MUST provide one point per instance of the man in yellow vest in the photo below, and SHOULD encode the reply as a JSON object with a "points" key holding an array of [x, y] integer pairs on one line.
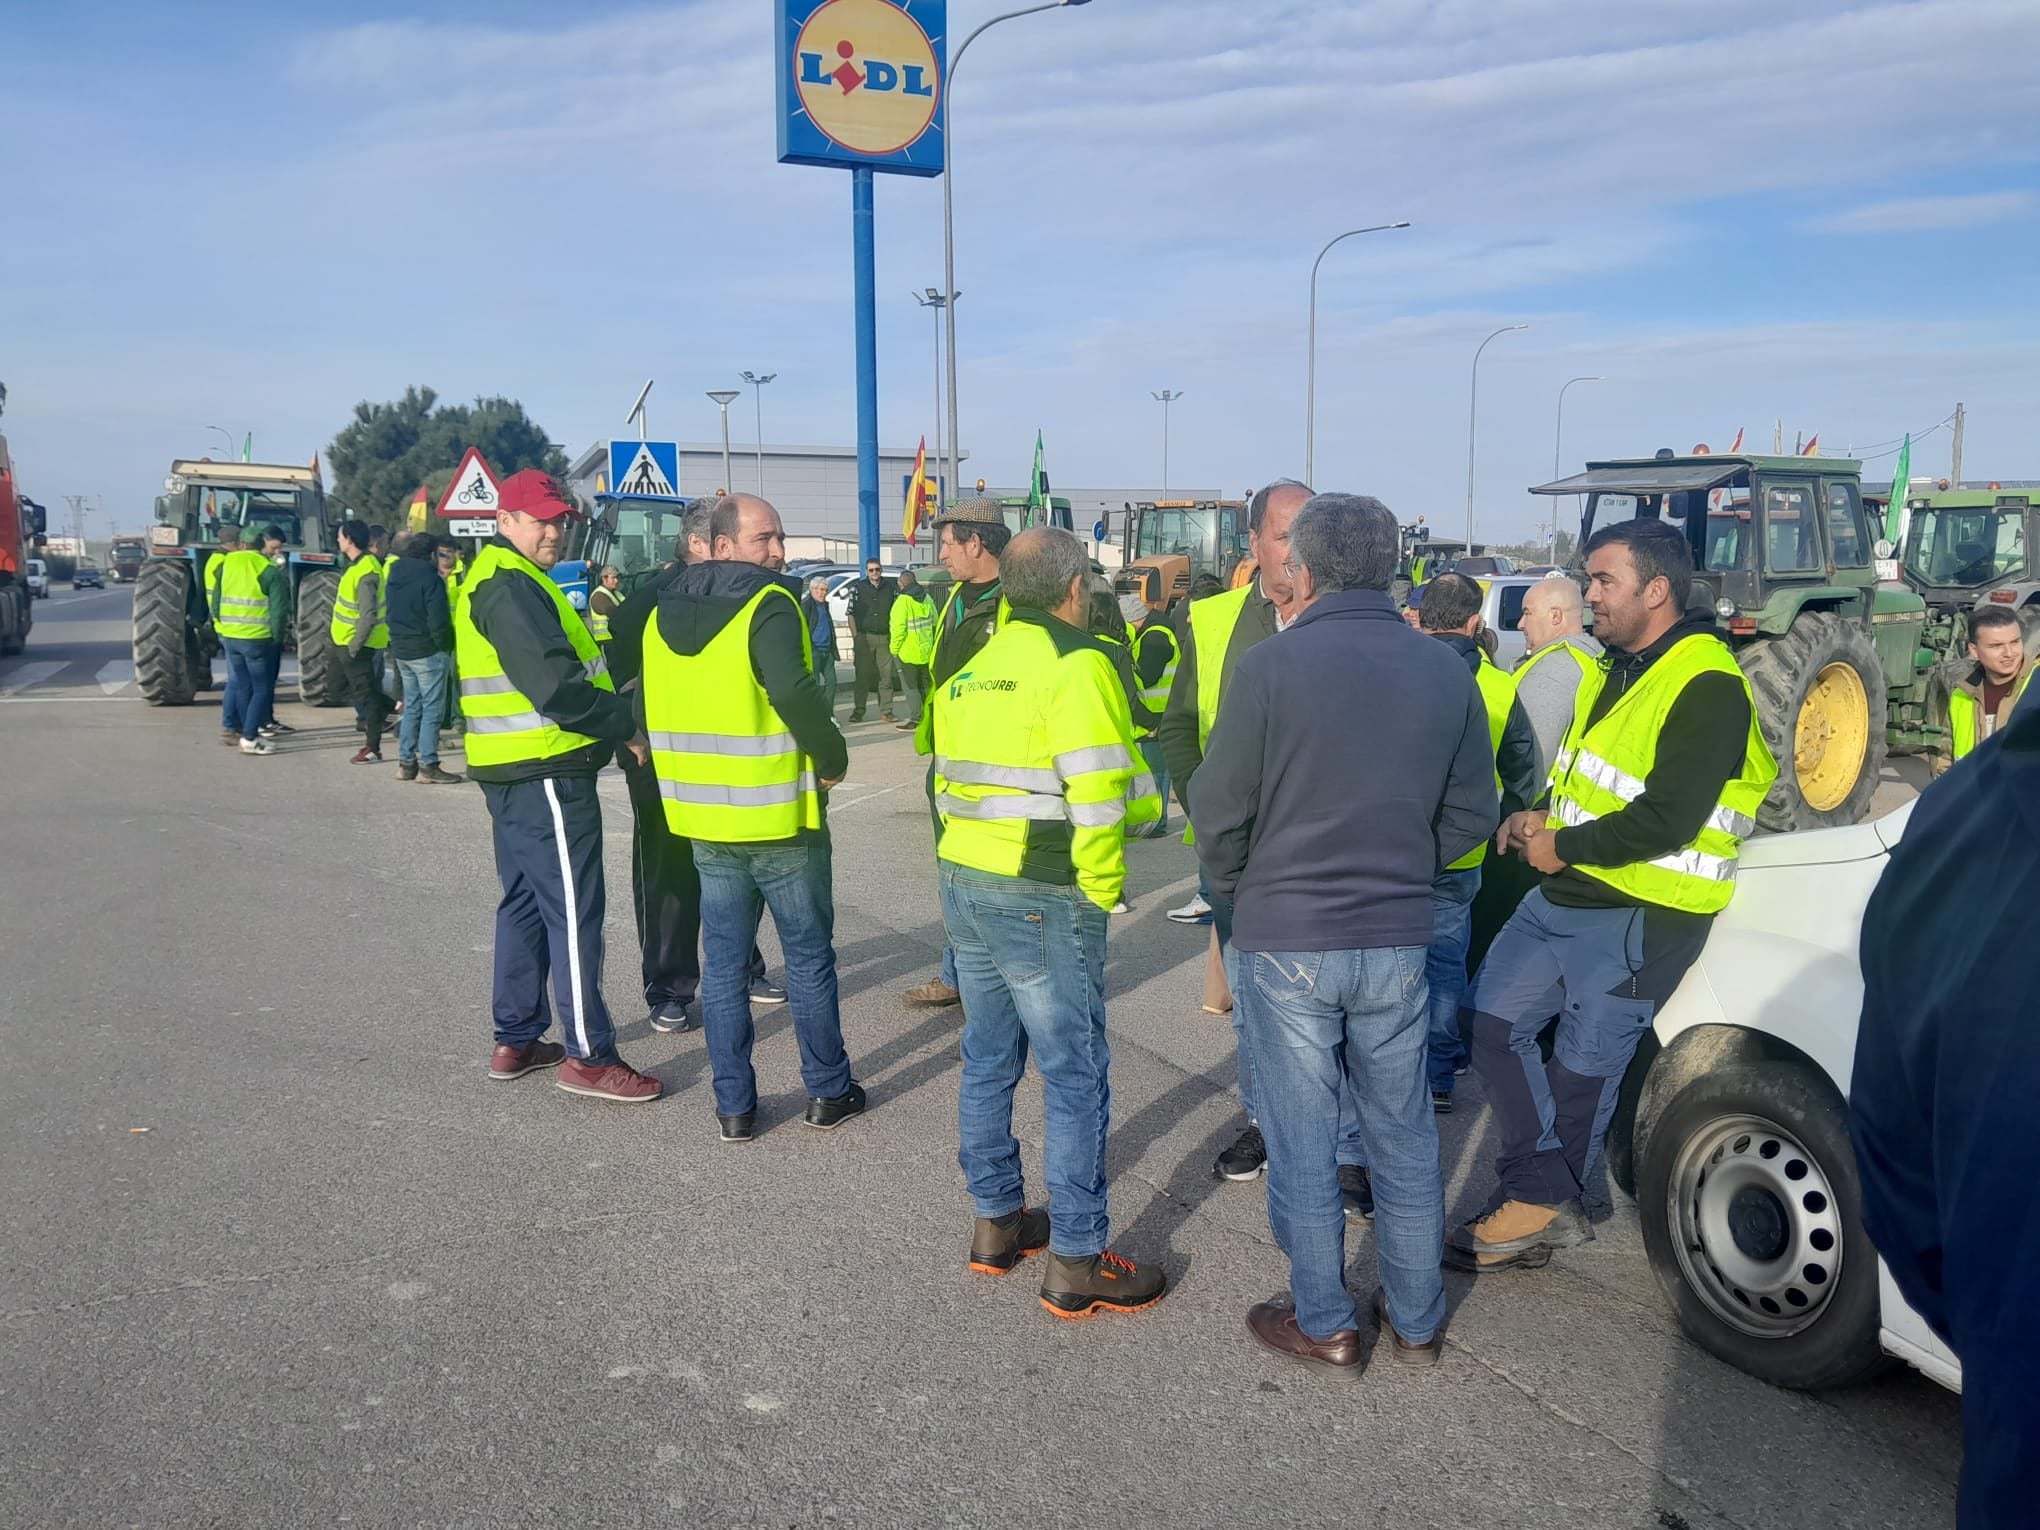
{"points": [[542, 718], [358, 628], [745, 751], [1450, 612], [913, 643], [604, 601], [1221, 628], [1983, 700], [1037, 781], [1655, 787], [246, 605], [1157, 655]]}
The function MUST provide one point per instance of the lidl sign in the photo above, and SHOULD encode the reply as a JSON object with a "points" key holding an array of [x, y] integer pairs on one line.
{"points": [[861, 82]]}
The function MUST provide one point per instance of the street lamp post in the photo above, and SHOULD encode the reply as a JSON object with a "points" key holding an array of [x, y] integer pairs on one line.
{"points": [[936, 302], [723, 398], [230, 439], [758, 396], [1165, 398], [1472, 417], [1558, 451], [948, 206], [1310, 367]]}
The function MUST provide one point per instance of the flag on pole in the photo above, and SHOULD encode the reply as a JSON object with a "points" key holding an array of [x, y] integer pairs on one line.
{"points": [[1737, 447], [920, 495], [1038, 512], [1812, 448], [1901, 485], [247, 447]]}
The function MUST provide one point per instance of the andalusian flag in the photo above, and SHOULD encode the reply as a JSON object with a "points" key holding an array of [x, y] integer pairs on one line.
{"points": [[247, 446], [1038, 510], [1901, 485], [920, 495]]}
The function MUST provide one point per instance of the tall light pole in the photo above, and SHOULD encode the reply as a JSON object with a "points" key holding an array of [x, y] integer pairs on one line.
{"points": [[1472, 418], [1310, 367], [936, 302], [1165, 398], [723, 398], [230, 439], [948, 206], [758, 397], [1558, 451]]}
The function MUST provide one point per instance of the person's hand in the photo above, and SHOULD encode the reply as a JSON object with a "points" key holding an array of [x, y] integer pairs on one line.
{"points": [[1510, 835], [1540, 849], [829, 783], [640, 748]]}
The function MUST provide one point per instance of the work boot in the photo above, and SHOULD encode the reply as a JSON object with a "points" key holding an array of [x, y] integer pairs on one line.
{"points": [[999, 1243], [508, 1062], [1246, 1159], [934, 993], [1080, 1288], [1274, 1325], [432, 775], [613, 1080], [1417, 1356], [407, 770], [1517, 1235]]}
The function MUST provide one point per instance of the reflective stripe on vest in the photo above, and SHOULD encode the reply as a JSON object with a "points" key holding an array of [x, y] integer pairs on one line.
{"points": [[729, 770], [1600, 770], [504, 728], [598, 616], [1498, 697], [1963, 710], [347, 609], [1155, 697], [244, 608]]}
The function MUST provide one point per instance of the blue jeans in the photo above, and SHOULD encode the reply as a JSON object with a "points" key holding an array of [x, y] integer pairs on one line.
{"points": [[738, 882], [1158, 767], [1352, 1145], [1452, 898], [1031, 958], [251, 684], [1321, 1023], [424, 682]]}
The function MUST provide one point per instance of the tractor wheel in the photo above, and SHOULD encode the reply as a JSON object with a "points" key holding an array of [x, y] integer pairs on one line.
{"points": [[1821, 704], [320, 680], [164, 641]]}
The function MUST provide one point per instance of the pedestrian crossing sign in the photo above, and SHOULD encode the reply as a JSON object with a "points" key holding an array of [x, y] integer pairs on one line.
{"points": [[644, 469], [473, 490]]}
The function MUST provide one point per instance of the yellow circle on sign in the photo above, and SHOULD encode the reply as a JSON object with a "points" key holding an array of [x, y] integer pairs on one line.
{"points": [[866, 75]]}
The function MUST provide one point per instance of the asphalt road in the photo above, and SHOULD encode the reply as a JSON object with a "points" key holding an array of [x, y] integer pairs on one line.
{"points": [[276, 1253]]}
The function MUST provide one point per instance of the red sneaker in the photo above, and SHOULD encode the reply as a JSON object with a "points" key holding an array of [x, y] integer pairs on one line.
{"points": [[617, 1081], [366, 756], [508, 1062]]}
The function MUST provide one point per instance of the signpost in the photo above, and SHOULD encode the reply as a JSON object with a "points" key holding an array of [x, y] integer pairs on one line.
{"points": [[472, 498], [860, 88]]}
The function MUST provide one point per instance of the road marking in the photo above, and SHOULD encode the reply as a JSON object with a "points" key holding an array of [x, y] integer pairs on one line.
{"points": [[116, 675], [29, 674]]}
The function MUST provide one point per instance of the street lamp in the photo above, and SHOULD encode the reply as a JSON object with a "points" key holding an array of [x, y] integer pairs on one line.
{"points": [[936, 302], [758, 396], [1165, 398], [948, 209], [1472, 415], [723, 398], [1558, 449], [1310, 375], [230, 439]]}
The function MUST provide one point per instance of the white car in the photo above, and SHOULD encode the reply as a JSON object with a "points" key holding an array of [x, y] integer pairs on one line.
{"points": [[1743, 1171], [38, 579]]}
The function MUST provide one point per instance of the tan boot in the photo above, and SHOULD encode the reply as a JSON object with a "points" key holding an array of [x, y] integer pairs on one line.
{"points": [[933, 993], [1518, 1234]]}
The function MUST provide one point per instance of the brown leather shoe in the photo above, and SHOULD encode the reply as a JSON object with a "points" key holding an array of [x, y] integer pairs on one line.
{"points": [[1274, 1324], [1417, 1356], [999, 1243], [933, 993], [615, 1080], [508, 1062]]}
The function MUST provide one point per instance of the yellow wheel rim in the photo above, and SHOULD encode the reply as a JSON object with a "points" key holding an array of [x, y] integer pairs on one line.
{"points": [[1833, 737]]}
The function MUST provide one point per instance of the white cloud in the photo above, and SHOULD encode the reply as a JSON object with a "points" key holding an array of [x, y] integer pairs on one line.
{"points": [[1905, 215]]}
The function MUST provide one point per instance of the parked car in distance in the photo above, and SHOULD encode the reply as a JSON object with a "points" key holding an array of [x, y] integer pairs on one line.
{"points": [[38, 579], [86, 576]]}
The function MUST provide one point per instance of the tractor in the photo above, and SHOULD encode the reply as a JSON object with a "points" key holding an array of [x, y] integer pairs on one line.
{"points": [[1783, 559], [1169, 542], [173, 636], [1962, 549]]}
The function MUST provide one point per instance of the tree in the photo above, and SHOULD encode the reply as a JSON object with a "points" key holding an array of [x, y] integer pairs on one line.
{"points": [[387, 450]]}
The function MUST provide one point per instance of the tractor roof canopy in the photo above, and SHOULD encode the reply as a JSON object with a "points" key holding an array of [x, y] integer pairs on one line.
{"points": [[1664, 475], [243, 475]]}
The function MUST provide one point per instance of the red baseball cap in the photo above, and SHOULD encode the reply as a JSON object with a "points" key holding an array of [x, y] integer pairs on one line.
{"points": [[534, 492]]}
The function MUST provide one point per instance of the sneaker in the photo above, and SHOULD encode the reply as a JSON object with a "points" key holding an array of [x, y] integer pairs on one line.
{"points": [[257, 746], [1273, 1324], [1196, 911], [1121, 907], [856, 717], [1080, 1288], [1246, 1159], [763, 992], [933, 993], [407, 770], [1441, 1101], [674, 1017], [615, 1080], [365, 756], [906, 727], [1417, 1356], [827, 1115], [432, 775], [738, 1128], [230, 736], [999, 1243], [1517, 1234], [1356, 1189], [508, 1062], [887, 717], [276, 730]]}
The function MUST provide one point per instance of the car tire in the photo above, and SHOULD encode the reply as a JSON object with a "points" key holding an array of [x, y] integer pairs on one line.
{"points": [[1752, 1218]]}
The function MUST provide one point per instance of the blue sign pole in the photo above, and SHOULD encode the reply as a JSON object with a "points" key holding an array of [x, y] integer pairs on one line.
{"points": [[866, 300]]}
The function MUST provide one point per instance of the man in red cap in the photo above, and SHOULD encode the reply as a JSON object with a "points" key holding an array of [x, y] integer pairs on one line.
{"points": [[542, 718]]}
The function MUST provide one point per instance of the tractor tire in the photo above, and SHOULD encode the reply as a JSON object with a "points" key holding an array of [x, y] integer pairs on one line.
{"points": [[164, 641], [1753, 1220], [321, 681], [1821, 703]]}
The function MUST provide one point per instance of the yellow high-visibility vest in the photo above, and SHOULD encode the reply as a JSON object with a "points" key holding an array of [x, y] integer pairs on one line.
{"points": [[346, 607], [1963, 711], [1498, 696], [504, 727], [243, 605], [1155, 697]]}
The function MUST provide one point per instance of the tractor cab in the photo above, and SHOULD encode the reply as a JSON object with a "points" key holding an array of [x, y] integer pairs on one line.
{"points": [[1962, 547], [638, 535], [1170, 542]]}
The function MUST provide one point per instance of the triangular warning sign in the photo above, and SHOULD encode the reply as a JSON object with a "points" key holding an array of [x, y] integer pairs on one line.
{"points": [[644, 475], [473, 490]]}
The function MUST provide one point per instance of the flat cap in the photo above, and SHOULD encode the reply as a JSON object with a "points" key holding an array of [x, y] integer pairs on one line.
{"points": [[976, 511]]}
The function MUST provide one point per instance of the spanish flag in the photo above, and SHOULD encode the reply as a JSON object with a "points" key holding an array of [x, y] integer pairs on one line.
{"points": [[920, 496], [1812, 447]]}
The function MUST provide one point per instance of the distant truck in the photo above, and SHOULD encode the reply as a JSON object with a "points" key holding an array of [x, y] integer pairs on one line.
{"points": [[125, 561], [22, 531]]}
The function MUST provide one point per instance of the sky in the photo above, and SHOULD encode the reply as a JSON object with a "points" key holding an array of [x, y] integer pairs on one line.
{"points": [[1733, 212]]}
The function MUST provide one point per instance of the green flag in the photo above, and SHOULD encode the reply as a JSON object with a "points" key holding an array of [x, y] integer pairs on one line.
{"points": [[247, 446], [1037, 492], [1901, 481]]}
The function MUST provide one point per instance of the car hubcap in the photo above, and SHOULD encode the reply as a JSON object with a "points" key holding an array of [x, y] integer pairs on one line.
{"points": [[1755, 1226]]}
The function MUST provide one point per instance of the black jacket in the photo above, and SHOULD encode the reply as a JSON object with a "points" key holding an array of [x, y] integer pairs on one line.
{"points": [[419, 618], [699, 601], [1516, 755], [1349, 765], [972, 617], [1181, 751], [626, 649], [522, 623], [1700, 750], [871, 605]]}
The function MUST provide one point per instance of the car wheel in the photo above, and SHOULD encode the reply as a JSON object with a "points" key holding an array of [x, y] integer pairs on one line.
{"points": [[1752, 1217]]}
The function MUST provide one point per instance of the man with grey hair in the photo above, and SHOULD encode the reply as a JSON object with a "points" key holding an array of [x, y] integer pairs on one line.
{"points": [[1037, 781], [1560, 651], [1350, 762]]}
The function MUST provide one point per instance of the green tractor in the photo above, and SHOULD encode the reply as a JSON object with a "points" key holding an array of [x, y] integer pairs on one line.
{"points": [[1784, 558], [174, 642], [1961, 549]]}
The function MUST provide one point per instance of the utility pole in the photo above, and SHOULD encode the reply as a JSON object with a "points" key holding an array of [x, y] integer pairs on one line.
{"points": [[1165, 398], [1955, 451]]}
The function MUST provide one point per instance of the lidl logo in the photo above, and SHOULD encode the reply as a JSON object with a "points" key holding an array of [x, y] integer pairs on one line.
{"points": [[861, 83]]}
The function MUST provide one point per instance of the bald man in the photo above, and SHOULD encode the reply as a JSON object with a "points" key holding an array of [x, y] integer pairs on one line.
{"points": [[1559, 651]]}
